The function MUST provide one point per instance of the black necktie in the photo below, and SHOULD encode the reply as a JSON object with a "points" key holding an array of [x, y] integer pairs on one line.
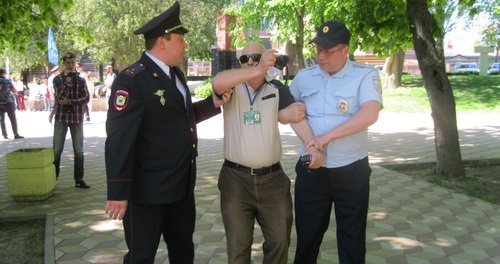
{"points": [[176, 91], [172, 74]]}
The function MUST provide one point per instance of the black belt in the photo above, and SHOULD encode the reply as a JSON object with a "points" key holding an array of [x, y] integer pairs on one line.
{"points": [[253, 171]]}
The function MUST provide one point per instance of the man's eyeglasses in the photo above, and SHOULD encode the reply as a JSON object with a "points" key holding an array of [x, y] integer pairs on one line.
{"points": [[327, 53], [254, 57]]}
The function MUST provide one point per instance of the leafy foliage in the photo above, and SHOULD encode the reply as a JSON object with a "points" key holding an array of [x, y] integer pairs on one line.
{"points": [[491, 34], [204, 90], [111, 24], [101, 28], [24, 20]]}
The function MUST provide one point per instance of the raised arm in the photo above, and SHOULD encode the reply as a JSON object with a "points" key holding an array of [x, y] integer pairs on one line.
{"points": [[226, 80]]}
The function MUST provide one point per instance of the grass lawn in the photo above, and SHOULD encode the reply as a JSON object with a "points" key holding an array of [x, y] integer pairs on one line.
{"points": [[473, 93], [22, 241]]}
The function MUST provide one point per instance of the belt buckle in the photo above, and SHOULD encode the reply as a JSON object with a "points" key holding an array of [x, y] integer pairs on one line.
{"points": [[252, 173]]}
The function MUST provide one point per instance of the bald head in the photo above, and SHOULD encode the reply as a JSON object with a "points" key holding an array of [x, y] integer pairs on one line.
{"points": [[253, 48]]}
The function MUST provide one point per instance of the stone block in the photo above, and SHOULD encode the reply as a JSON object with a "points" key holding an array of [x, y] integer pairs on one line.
{"points": [[33, 184], [30, 158], [31, 174]]}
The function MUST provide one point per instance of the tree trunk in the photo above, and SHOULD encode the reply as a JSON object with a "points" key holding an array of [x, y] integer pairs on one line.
{"points": [[431, 62], [393, 69], [299, 40], [293, 66]]}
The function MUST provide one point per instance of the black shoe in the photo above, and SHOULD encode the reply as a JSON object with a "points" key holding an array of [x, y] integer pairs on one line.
{"points": [[18, 137], [82, 184], [5, 137]]}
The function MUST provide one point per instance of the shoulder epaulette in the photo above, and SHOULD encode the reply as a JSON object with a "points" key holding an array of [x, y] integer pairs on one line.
{"points": [[134, 69], [363, 65], [308, 69]]}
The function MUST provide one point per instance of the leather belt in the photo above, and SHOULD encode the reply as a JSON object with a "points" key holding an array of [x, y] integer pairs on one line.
{"points": [[253, 171]]}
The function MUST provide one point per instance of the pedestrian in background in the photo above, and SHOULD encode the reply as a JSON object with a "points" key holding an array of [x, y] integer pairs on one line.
{"points": [[47, 105], [83, 74], [50, 83], [20, 87], [7, 105], [90, 87], [108, 81], [14, 94], [70, 91]]}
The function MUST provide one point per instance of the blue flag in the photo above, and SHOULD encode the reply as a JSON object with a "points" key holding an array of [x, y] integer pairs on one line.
{"points": [[52, 49]]}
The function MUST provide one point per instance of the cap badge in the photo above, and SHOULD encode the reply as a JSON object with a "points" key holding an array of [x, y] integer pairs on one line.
{"points": [[326, 29], [155, 74], [121, 100]]}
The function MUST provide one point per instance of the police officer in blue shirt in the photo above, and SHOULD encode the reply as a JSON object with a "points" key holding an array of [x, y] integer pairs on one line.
{"points": [[342, 100]]}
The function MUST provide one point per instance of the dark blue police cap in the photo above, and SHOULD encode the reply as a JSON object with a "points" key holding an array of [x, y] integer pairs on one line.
{"points": [[332, 33], [167, 22]]}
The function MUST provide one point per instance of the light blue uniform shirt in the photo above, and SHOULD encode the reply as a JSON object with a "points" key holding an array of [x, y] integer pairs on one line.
{"points": [[331, 100]]}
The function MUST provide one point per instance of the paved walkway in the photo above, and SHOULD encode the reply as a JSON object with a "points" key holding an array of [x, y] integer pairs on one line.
{"points": [[409, 221]]}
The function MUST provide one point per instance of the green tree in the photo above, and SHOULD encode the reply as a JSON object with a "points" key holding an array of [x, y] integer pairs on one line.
{"points": [[21, 19], [491, 34], [295, 22], [291, 21], [104, 28], [379, 26], [430, 57], [387, 27], [25, 24]]}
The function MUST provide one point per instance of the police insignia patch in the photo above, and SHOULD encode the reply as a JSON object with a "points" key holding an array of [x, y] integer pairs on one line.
{"points": [[377, 84], [120, 100]]}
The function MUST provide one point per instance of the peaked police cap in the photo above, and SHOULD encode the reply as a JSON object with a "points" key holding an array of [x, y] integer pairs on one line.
{"points": [[167, 22], [332, 33]]}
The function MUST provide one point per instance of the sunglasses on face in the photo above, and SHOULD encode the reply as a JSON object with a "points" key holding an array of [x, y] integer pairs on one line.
{"points": [[245, 58]]}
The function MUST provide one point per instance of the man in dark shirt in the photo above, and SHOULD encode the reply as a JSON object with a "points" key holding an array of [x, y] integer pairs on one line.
{"points": [[7, 105], [70, 91]]}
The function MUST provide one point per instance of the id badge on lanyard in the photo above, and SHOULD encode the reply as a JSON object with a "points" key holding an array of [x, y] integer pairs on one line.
{"points": [[252, 117]]}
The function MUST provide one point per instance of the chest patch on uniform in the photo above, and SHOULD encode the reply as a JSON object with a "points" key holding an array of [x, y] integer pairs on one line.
{"points": [[343, 106], [120, 100]]}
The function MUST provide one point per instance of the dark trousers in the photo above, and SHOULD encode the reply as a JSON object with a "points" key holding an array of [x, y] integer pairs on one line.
{"points": [[86, 110], [348, 189], [265, 199], [145, 223], [10, 109]]}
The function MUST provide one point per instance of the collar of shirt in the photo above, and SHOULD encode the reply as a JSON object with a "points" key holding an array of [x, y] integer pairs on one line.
{"points": [[348, 70], [164, 67]]}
